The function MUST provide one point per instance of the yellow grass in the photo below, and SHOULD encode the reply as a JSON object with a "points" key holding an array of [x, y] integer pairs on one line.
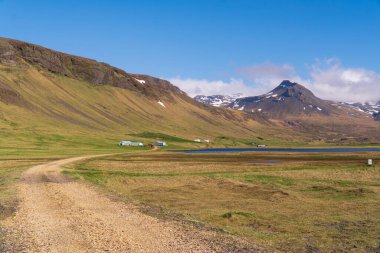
{"points": [[305, 202]]}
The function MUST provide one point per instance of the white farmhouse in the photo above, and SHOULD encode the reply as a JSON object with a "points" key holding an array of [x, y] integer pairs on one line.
{"points": [[131, 143], [160, 144]]}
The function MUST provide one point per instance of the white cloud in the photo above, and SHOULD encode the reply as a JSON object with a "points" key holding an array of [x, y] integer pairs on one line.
{"points": [[261, 78], [205, 87], [269, 75], [328, 79]]}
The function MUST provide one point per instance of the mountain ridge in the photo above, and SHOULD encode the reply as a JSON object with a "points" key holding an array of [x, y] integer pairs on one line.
{"points": [[309, 103], [45, 95], [14, 53], [217, 100]]}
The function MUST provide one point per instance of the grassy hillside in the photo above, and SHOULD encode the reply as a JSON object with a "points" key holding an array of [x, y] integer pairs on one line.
{"points": [[49, 109], [55, 101]]}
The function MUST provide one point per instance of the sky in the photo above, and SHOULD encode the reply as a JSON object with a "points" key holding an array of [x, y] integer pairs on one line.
{"points": [[216, 46]]}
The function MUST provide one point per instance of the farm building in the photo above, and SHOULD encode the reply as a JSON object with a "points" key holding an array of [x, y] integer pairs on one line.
{"points": [[131, 143], [197, 140], [207, 141], [160, 144]]}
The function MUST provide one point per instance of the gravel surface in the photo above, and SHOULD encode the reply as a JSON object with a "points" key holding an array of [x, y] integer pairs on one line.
{"points": [[59, 215]]}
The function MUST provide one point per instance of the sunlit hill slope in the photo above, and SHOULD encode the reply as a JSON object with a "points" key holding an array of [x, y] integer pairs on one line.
{"points": [[52, 100], [47, 97]]}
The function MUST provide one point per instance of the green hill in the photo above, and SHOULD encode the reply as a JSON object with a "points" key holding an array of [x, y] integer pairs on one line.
{"points": [[55, 101]]}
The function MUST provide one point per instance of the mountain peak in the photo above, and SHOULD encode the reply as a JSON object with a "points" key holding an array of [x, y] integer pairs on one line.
{"points": [[287, 84], [292, 89], [288, 98]]}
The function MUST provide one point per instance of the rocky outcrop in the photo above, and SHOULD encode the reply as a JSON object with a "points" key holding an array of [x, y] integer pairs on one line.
{"points": [[13, 53], [376, 116]]}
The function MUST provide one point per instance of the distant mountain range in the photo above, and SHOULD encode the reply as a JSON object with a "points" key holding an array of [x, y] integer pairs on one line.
{"points": [[372, 109], [287, 99], [218, 100]]}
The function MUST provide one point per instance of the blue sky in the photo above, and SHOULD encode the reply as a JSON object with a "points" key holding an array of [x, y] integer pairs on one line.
{"points": [[214, 45]]}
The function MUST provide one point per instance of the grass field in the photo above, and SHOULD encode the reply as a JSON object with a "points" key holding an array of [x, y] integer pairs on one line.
{"points": [[294, 203]]}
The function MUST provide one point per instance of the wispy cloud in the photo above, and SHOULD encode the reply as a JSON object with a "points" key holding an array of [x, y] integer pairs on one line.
{"points": [[269, 74], [206, 87], [328, 79]]}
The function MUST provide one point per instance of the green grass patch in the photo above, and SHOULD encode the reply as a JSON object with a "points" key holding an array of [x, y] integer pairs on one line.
{"points": [[235, 214], [270, 179], [330, 192], [160, 136]]}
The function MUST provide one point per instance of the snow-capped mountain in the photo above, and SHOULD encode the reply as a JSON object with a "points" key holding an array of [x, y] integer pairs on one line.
{"points": [[218, 100], [286, 99], [369, 108]]}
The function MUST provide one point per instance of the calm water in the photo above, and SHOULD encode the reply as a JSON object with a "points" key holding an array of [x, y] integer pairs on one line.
{"points": [[265, 162], [293, 150]]}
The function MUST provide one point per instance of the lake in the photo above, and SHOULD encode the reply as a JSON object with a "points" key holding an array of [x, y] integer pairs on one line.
{"points": [[286, 150]]}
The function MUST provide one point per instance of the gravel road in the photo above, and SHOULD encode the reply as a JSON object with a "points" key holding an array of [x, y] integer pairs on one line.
{"points": [[59, 215]]}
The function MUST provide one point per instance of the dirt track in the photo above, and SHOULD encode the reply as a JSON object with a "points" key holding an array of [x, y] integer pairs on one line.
{"points": [[59, 215]]}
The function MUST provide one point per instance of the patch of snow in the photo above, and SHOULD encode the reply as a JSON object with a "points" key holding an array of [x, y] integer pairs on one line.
{"points": [[304, 108], [360, 110], [259, 109], [319, 109], [369, 107], [162, 104], [236, 105], [271, 96], [140, 81], [217, 102], [241, 108]]}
